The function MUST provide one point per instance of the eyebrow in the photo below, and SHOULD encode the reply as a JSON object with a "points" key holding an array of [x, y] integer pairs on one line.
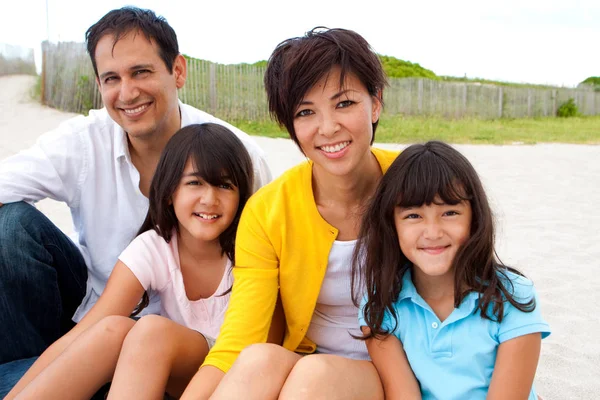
{"points": [[334, 97], [136, 67]]}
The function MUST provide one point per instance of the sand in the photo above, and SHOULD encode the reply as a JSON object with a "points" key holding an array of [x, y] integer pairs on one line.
{"points": [[546, 199]]}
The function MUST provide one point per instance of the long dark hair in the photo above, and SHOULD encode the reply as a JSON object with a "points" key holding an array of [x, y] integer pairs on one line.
{"points": [[418, 175], [219, 157]]}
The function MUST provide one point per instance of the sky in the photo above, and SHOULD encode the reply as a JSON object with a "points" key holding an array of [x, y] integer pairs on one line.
{"points": [[526, 41]]}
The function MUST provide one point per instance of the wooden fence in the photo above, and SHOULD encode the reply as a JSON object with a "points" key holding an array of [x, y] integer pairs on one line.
{"points": [[16, 60], [236, 92]]}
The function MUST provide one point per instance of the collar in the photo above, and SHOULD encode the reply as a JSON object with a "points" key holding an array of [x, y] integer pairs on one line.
{"points": [[409, 291]]}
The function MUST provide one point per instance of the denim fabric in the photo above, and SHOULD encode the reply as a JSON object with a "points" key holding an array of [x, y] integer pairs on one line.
{"points": [[11, 372], [42, 282]]}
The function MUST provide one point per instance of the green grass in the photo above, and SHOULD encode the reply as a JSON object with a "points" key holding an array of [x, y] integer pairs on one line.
{"points": [[399, 129]]}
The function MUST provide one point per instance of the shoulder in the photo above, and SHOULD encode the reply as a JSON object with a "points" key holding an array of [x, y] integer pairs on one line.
{"points": [[192, 115], [520, 287], [385, 158], [97, 127], [285, 188]]}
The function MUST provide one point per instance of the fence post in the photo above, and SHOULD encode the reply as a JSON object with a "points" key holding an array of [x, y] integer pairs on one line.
{"points": [[529, 102], [213, 88], [43, 78], [465, 88], [500, 101], [420, 97]]}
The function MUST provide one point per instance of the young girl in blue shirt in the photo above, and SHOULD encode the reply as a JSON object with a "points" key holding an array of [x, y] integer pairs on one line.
{"points": [[442, 316]]}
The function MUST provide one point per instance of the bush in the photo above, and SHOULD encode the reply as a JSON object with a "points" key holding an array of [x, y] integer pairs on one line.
{"points": [[568, 109]]}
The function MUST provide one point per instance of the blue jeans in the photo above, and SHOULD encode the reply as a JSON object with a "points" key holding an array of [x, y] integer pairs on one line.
{"points": [[42, 282]]}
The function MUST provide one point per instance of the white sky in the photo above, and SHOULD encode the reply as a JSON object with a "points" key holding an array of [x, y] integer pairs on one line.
{"points": [[533, 41]]}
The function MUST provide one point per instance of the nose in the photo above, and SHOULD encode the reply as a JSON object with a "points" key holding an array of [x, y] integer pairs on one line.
{"points": [[433, 231], [128, 91], [328, 125], [209, 195]]}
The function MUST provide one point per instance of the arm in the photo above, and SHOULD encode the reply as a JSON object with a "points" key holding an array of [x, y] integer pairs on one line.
{"points": [[515, 367], [122, 293], [53, 167], [393, 367]]}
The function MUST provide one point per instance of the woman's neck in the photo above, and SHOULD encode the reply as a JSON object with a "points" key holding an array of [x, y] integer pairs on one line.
{"points": [[350, 190]]}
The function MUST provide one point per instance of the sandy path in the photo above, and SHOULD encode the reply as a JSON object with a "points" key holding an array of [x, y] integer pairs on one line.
{"points": [[546, 199]]}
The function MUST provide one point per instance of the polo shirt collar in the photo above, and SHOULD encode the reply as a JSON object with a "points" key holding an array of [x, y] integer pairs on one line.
{"points": [[409, 291]]}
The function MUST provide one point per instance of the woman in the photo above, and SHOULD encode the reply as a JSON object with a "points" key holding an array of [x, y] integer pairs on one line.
{"points": [[297, 234]]}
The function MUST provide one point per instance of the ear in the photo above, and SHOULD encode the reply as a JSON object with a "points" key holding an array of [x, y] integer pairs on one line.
{"points": [[376, 107], [180, 71]]}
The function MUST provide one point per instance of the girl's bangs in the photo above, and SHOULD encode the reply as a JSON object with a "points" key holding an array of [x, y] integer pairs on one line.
{"points": [[212, 168], [428, 177]]}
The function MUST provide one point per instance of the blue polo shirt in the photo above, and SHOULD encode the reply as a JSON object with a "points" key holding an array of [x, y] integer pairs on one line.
{"points": [[454, 359]]}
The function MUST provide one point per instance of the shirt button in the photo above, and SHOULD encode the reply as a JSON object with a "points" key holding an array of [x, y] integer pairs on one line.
{"points": [[434, 325]]}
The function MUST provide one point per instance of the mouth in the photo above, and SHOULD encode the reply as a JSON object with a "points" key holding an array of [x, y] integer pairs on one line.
{"points": [[434, 250], [207, 217], [136, 111], [334, 148]]}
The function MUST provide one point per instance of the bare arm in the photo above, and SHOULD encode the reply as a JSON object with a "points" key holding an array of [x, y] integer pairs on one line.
{"points": [[390, 360], [122, 293], [515, 367]]}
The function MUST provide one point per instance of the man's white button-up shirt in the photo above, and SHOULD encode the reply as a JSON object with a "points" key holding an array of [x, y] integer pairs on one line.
{"points": [[85, 163]]}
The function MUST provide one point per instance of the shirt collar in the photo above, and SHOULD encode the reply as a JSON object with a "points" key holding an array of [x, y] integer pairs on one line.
{"points": [[409, 291]]}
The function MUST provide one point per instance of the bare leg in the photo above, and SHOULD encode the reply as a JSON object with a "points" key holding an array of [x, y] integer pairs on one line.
{"points": [[84, 366], [323, 376], [158, 355], [258, 373]]}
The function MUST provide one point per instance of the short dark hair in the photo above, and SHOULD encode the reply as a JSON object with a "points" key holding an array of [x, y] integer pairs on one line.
{"points": [[418, 175], [219, 156], [297, 64], [122, 21]]}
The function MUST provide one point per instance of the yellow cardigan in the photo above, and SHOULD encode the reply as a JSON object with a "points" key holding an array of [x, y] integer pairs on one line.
{"points": [[282, 243]]}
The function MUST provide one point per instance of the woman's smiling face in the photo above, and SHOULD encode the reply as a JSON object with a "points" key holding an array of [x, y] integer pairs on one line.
{"points": [[334, 125]]}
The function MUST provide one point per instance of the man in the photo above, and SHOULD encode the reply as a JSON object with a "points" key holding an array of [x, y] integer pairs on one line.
{"points": [[101, 166]]}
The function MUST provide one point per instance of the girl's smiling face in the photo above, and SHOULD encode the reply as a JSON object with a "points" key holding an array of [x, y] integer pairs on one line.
{"points": [[204, 211], [430, 235]]}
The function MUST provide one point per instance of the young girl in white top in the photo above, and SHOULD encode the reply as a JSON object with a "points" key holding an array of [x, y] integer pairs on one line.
{"points": [[440, 307], [184, 253]]}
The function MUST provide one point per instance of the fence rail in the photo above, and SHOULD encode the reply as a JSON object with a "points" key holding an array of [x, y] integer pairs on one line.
{"points": [[236, 92], [16, 60]]}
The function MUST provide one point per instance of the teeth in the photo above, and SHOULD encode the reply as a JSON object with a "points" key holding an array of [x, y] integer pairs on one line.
{"points": [[136, 110], [207, 216], [336, 148]]}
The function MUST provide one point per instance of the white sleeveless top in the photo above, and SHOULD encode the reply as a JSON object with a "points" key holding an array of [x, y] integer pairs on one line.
{"points": [[335, 316]]}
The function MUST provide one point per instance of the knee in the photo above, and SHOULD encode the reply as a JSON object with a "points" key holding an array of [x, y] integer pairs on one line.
{"points": [[15, 218], [112, 329], [259, 358], [307, 378], [149, 333]]}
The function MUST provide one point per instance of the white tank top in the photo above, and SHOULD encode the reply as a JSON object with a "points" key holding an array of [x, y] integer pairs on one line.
{"points": [[335, 316]]}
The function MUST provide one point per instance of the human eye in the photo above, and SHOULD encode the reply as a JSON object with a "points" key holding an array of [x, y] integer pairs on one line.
{"points": [[304, 113], [193, 182], [345, 104], [411, 216], [110, 79], [451, 213], [141, 72], [226, 185]]}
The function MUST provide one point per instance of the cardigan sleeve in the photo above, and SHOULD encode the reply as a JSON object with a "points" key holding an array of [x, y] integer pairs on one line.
{"points": [[255, 288]]}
